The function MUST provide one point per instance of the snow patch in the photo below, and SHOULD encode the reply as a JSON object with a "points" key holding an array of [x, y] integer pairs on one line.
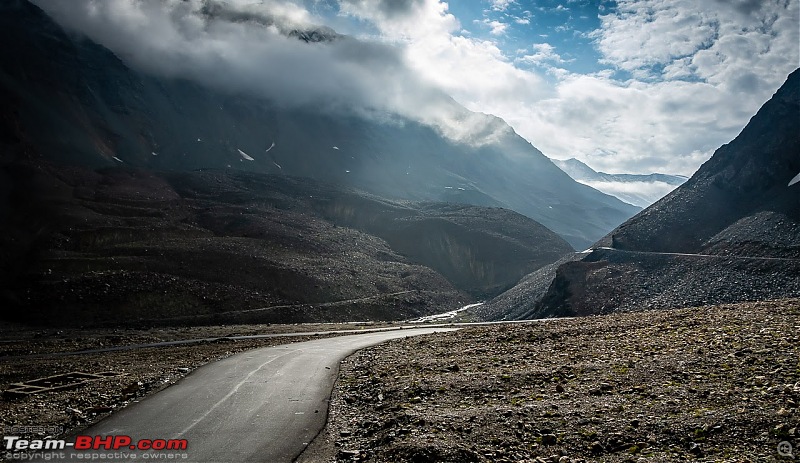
{"points": [[796, 179], [245, 155], [270, 147]]}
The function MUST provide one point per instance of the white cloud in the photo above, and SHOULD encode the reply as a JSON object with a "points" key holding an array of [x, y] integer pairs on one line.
{"points": [[696, 71], [255, 48], [474, 71], [501, 5], [699, 71], [640, 194], [543, 53], [495, 27]]}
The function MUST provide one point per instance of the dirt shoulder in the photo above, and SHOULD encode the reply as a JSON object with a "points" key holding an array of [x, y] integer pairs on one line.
{"points": [[717, 383], [27, 354]]}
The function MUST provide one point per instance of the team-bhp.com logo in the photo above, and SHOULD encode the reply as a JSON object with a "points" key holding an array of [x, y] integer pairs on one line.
{"points": [[13, 443]]}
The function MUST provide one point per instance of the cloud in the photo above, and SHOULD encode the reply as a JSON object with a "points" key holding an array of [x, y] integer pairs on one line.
{"points": [[640, 194], [272, 49], [678, 78], [501, 5], [699, 71], [544, 53], [473, 71], [496, 27], [387, 8]]}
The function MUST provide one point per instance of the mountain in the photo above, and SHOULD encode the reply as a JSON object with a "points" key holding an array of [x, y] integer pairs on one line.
{"points": [[128, 246], [637, 189], [74, 102], [730, 233], [131, 199]]}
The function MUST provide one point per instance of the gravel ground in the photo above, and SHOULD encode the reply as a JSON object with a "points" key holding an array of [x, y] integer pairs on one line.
{"points": [[28, 354], [716, 383]]}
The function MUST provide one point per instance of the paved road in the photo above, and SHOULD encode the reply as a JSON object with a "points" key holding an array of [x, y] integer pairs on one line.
{"points": [[263, 405], [181, 342], [680, 254]]}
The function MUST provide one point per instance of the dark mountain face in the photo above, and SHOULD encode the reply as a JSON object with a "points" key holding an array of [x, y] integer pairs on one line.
{"points": [[740, 196], [122, 246], [76, 103], [730, 233]]}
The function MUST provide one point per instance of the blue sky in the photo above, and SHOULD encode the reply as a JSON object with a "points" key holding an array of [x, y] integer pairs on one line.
{"points": [[635, 86], [565, 26]]}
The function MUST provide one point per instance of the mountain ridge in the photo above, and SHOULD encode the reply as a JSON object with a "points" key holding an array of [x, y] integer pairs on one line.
{"points": [[731, 233], [81, 104], [638, 189]]}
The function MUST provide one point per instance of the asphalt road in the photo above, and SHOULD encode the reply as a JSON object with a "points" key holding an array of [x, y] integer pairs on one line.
{"points": [[263, 405]]}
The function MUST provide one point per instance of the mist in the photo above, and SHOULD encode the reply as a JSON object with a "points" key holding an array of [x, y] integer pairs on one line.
{"points": [[640, 194], [270, 50]]}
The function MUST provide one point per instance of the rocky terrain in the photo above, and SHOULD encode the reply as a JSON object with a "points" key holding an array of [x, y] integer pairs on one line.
{"points": [[124, 246], [609, 280], [712, 383], [731, 233]]}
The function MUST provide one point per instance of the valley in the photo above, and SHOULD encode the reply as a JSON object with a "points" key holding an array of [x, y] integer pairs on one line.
{"points": [[305, 229]]}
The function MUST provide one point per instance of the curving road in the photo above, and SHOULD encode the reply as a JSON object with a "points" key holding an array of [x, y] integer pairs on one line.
{"points": [[263, 405], [681, 254]]}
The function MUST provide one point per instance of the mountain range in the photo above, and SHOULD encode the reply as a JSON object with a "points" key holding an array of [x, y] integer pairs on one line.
{"points": [[638, 189], [78, 103], [133, 198], [730, 233]]}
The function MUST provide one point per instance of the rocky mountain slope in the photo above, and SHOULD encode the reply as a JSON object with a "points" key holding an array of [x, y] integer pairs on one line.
{"points": [[638, 189], [122, 246], [730, 233], [75, 102]]}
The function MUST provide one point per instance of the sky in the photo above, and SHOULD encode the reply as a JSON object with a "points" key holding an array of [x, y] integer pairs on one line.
{"points": [[634, 86]]}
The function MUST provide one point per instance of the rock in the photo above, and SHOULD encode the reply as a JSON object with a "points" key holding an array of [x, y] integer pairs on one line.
{"points": [[349, 454], [133, 388], [559, 388], [549, 439]]}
